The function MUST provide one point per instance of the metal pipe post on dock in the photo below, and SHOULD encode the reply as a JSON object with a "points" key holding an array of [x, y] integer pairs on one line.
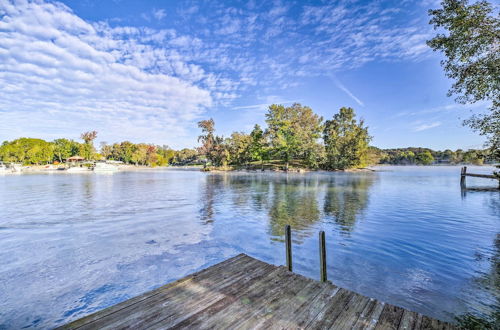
{"points": [[288, 244], [322, 256]]}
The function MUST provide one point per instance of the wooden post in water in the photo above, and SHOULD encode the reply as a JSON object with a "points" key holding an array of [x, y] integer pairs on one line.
{"points": [[462, 177], [288, 244], [322, 256]]}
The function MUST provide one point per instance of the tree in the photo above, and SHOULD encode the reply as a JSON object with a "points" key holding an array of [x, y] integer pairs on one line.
{"points": [[472, 50], [139, 154], [64, 148], [424, 158], [346, 141], [106, 150], [185, 156], [87, 149], [123, 151], [27, 151], [293, 132], [239, 148], [213, 147], [258, 145]]}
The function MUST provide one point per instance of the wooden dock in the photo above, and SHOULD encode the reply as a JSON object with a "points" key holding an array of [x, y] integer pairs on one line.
{"points": [[464, 174], [245, 293]]}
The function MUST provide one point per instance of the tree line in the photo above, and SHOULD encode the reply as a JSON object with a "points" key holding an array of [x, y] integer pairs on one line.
{"points": [[426, 156], [30, 151], [294, 137]]}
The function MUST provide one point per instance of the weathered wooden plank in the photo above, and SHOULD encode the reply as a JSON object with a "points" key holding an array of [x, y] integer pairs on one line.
{"points": [[351, 313], [332, 310], [289, 304], [231, 295], [240, 259], [183, 299], [408, 320], [370, 315], [306, 315], [487, 176], [252, 307], [390, 317]]}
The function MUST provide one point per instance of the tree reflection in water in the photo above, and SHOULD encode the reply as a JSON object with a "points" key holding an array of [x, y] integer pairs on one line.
{"points": [[486, 314], [291, 199], [294, 202], [346, 197]]}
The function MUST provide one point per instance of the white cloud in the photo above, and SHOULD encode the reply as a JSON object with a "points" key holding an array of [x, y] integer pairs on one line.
{"points": [[424, 127], [53, 60], [54, 67], [159, 14]]}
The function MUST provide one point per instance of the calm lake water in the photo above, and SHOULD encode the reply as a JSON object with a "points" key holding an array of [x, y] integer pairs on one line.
{"points": [[72, 244]]}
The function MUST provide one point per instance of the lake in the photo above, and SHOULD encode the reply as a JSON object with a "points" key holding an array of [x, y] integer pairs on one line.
{"points": [[72, 244]]}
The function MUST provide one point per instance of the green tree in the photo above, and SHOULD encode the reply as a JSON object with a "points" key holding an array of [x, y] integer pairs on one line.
{"points": [[185, 156], [123, 151], [258, 145], [27, 151], [293, 132], [471, 47], [424, 158], [239, 148], [346, 141], [166, 155], [64, 148]]}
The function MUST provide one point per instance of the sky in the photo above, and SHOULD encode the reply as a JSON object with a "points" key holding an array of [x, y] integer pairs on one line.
{"points": [[148, 71]]}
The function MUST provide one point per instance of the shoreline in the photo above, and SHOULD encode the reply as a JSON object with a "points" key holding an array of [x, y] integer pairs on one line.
{"points": [[141, 168]]}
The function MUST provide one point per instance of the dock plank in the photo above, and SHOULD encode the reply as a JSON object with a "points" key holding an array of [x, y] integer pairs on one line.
{"points": [[245, 293]]}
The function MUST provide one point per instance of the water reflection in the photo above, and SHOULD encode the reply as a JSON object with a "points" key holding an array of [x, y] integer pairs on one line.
{"points": [[211, 187], [301, 201], [346, 198], [294, 202]]}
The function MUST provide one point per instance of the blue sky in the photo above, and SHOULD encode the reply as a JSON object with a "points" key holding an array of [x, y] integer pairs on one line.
{"points": [[147, 71]]}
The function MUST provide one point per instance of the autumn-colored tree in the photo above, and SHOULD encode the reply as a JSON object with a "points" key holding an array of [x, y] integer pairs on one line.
{"points": [[87, 149]]}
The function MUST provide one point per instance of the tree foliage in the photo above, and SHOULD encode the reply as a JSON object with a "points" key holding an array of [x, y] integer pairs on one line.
{"points": [[64, 148], [27, 151], [471, 45], [293, 132], [87, 149], [212, 147], [346, 141]]}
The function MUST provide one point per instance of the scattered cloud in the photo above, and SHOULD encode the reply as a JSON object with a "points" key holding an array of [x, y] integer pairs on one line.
{"points": [[159, 14], [427, 126], [66, 68], [93, 76]]}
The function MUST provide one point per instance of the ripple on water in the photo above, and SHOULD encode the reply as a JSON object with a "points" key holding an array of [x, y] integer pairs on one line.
{"points": [[73, 244]]}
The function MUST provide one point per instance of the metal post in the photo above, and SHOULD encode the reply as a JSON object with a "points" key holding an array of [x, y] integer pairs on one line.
{"points": [[322, 256], [288, 244]]}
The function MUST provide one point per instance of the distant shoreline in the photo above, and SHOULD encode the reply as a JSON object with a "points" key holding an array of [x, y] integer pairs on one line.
{"points": [[142, 168]]}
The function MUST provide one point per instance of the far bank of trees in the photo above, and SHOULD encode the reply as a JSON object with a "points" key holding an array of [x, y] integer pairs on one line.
{"points": [[29, 151], [294, 137]]}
